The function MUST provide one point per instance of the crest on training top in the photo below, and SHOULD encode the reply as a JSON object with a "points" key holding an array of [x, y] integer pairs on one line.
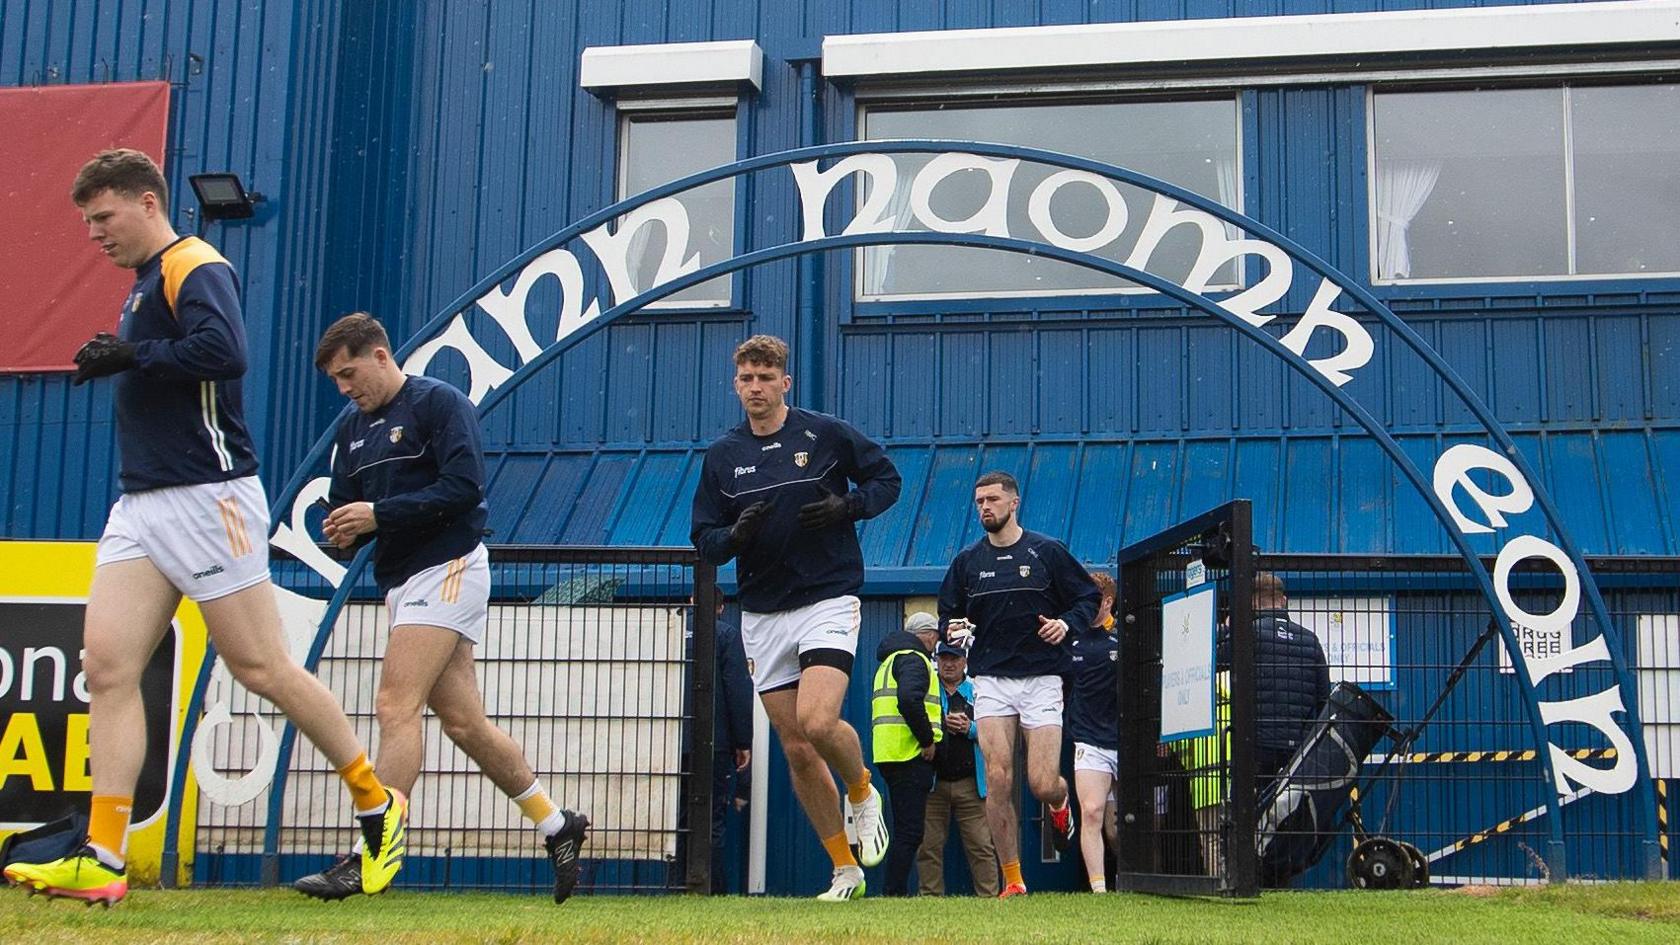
{"points": [[1026, 570], [396, 434], [800, 459]]}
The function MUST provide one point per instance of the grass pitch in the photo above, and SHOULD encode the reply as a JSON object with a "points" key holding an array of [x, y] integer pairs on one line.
{"points": [[1571, 915]]}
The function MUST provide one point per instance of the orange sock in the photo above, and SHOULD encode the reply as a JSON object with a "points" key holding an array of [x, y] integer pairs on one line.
{"points": [[1012, 874], [839, 850], [366, 791], [108, 823], [859, 792]]}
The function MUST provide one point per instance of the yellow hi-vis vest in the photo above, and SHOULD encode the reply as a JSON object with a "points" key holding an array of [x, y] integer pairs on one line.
{"points": [[890, 736]]}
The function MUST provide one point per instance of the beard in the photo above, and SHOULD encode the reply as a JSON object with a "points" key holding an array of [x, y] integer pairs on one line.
{"points": [[996, 525]]}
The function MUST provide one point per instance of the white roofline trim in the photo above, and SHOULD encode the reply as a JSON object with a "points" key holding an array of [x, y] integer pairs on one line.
{"points": [[1594, 24], [663, 65]]}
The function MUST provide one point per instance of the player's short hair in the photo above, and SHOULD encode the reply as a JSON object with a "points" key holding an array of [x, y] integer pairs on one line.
{"points": [[767, 350], [356, 333], [1268, 586], [122, 170], [1105, 584], [997, 478]]}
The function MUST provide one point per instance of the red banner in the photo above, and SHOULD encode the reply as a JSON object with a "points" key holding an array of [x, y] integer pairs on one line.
{"points": [[58, 288]]}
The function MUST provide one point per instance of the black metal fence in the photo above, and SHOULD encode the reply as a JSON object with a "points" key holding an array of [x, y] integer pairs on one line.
{"points": [[588, 663], [1448, 787]]}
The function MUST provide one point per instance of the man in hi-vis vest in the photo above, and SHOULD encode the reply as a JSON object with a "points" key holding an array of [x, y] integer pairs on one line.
{"points": [[905, 714]]}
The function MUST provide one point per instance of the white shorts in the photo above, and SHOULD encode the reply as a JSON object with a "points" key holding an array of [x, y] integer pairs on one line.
{"points": [[774, 642], [1036, 699], [210, 540], [1088, 757], [454, 595]]}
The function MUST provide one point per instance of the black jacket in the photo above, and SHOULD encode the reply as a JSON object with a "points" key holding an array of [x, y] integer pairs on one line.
{"points": [[913, 682], [734, 722], [1291, 681]]}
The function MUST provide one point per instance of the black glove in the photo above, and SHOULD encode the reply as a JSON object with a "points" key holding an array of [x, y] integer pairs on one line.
{"points": [[751, 522], [828, 510], [104, 355]]}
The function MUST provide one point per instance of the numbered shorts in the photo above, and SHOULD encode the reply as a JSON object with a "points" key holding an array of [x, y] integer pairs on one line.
{"points": [[454, 595], [1088, 757], [1037, 700], [210, 540], [780, 645]]}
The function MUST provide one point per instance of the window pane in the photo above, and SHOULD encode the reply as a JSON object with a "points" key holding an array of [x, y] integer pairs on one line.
{"points": [[660, 150], [1191, 143], [1627, 178], [1469, 184]]}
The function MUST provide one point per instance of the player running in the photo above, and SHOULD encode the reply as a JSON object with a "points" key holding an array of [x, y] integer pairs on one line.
{"points": [[192, 519], [408, 469], [774, 495]]}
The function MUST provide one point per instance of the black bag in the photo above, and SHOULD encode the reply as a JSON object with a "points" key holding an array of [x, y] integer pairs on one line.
{"points": [[1300, 811], [45, 843]]}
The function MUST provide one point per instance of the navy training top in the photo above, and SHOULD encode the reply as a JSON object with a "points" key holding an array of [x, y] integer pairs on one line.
{"points": [[786, 566], [1093, 714], [180, 413], [1005, 590], [418, 459]]}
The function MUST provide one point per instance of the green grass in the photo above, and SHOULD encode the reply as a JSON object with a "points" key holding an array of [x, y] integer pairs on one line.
{"points": [[1575, 915]]}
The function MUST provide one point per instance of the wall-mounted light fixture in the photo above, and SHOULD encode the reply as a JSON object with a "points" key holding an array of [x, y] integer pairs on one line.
{"points": [[222, 197]]}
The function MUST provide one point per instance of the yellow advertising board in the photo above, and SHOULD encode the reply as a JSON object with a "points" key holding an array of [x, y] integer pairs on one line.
{"points": [[44, 698]]}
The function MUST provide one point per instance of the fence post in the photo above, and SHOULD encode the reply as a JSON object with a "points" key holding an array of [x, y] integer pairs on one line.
{"points": [[1242, 861], [702, 684]]}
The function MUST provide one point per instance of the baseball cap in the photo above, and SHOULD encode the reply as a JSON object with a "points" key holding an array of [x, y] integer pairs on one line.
{"points": [[950, 649], [921, 620]]}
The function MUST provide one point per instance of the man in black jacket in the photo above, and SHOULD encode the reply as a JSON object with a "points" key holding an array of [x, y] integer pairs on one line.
{"points": [[732, 750], [906, 728], [1291, 681]]}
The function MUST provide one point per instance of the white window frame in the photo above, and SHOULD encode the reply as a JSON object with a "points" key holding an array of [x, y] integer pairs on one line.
{"points": [[1006, 96], [677, 109], [1565, 86]]}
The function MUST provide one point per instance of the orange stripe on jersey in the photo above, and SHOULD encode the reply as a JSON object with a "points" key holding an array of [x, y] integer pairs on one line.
{"points": [[233, 520], [227, 526], [452, 581], [239, 523], [179, 261]]}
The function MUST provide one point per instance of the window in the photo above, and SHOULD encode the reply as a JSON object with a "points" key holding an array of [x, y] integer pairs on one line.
{"points": [[1525, 183], [657, 147], [1191, 143]]}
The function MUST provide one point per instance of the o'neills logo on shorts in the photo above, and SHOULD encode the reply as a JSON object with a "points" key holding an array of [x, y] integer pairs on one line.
{"points": [[211, 571]]}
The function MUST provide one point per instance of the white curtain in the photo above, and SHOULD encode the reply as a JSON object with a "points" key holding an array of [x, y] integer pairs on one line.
{"points": [[878, 260], [1403, 187], [1227, 171]]}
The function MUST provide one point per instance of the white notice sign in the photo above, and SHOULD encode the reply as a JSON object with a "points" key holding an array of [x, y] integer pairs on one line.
{"points": [[1187, 628]]}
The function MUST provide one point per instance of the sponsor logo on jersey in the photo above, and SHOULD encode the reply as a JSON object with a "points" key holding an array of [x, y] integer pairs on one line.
{"points": [[211, 571], [773, 446], [416, 603], [743, 470], [810, 436], [800, 459], [356, 445], [987, 574]]}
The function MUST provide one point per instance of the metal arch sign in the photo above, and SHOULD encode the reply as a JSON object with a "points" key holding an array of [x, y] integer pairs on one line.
{"points": [[1452, 487]]}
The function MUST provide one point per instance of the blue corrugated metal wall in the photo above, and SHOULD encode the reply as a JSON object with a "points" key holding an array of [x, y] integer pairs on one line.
{"points": [[409, 149]]}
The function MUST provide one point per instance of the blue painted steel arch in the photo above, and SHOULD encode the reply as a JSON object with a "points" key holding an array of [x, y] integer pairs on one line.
{"points": [[1645, 792]]}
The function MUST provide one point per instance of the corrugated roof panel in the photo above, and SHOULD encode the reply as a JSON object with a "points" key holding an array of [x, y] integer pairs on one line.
{"points": [[1309, 505], [1620, 397], [1257, 481], [1568, 367], [1151, 504], [1665, 475], [1012, 458], [1160, 386], [552, 500], [1516, 385], [1209, 390], [680, 515], [1054, 478], [945, 516], [1463, 345], [516, 477], [865, 394], [1113, 389], [962, 359], [592, 514], [646, 501], [1415, 525], [1207, 476], [886, 537], [914, 383], [1010, 380], [1635, 515], [1663, 355], [1098, 507], [1573, 482]]}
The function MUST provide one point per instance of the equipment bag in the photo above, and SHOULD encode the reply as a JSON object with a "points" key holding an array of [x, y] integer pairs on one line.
{"points": [[1299, 812]]}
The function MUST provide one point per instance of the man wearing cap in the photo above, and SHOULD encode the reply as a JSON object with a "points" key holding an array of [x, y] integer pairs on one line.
{"points": [[905, 727], [959, 786]]}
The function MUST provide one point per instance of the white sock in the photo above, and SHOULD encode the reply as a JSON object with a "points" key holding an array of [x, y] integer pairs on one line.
{"points": [[553, 823], [107, 857], [1099, 885]]}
